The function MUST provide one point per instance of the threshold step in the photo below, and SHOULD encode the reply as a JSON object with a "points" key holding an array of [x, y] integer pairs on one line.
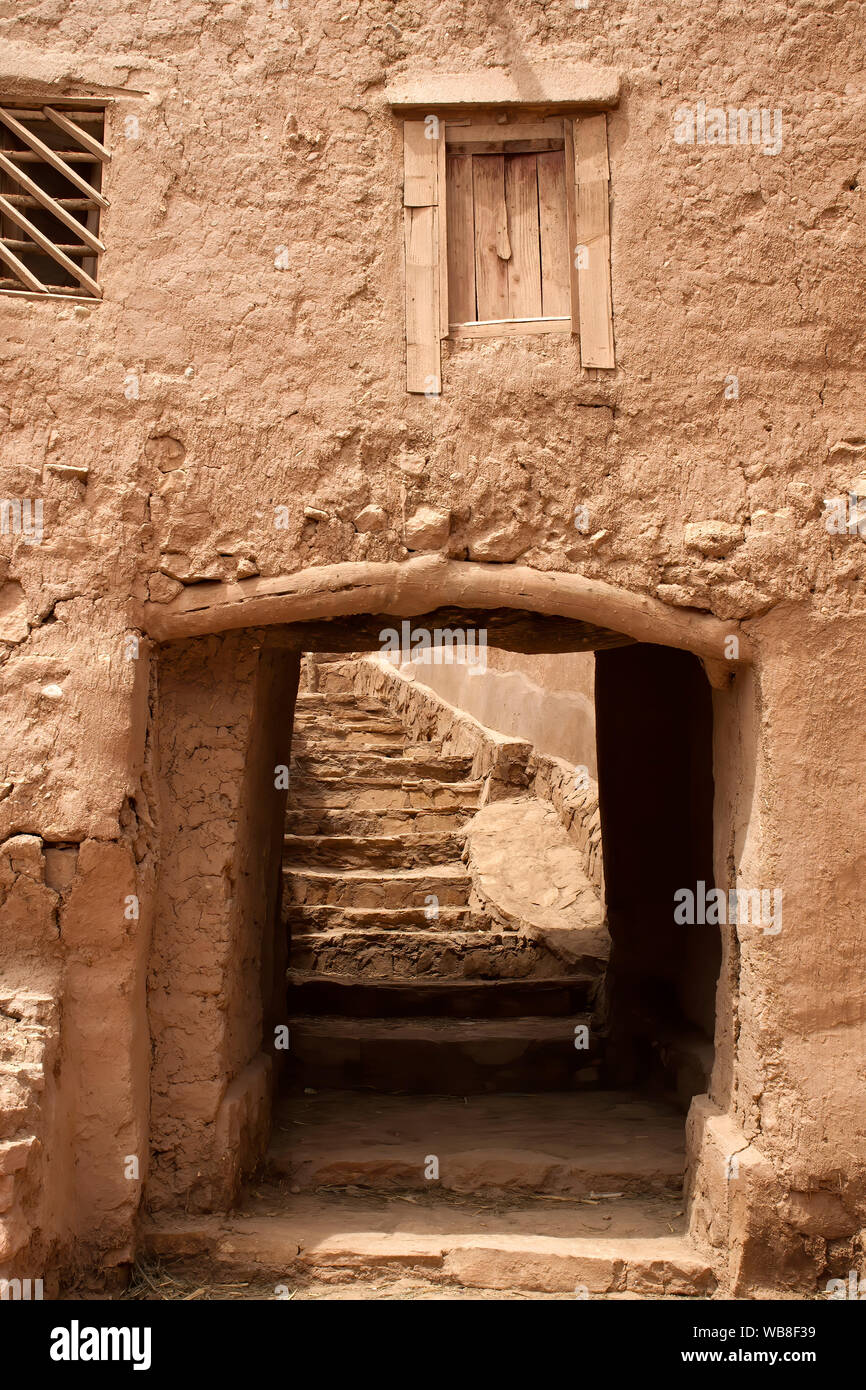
{"points": [[435, 951], [342, 1240], [583, 1145]]}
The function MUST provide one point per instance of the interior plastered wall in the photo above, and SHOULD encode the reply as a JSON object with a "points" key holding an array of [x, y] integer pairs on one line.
{"points": [[545, 698]]}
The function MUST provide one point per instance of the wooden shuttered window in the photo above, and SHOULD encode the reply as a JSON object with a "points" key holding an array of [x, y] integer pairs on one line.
{"points": [[507, 232], [51, 160], [507, 229]]}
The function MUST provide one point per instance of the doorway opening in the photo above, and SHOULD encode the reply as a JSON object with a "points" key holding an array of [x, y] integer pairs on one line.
{"points": [[477, 1011]]}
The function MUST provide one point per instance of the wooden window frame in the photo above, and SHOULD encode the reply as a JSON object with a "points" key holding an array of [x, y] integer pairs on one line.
{"points": [[427, 140], [24, 202]]}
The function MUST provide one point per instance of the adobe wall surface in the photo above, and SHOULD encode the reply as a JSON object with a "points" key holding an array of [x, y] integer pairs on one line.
{"points": [[265, 126], [791, 1039], [546, 699], [165, 428], [78, 873]]}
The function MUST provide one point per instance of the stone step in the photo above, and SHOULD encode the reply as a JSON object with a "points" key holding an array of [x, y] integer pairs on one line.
{"points": [[334, 719], [386, 747], [321, 741], [347, 996], [440, 1056], [324, 699], [604, 1249], [311, 724], [375, 794], [571, 1144], [370, 956], [327, 705], [378, 888], [414, 762], [328, 917], [404, 851], [310, 821]]}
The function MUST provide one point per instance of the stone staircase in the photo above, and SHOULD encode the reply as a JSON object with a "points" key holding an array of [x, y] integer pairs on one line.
{"points": [[398, 981]]}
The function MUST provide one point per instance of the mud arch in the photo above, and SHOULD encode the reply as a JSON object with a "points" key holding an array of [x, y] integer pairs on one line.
{"points": [[409, 589], [228, 663]]}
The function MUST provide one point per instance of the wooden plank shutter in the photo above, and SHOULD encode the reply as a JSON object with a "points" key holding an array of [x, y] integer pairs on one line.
{"points": [[553, 236], [524, 268], [492, 244], [421, 163], [461, 239], [591, 243]]}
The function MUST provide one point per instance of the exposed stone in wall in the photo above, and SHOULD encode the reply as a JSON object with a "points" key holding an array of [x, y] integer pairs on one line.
{"points": [[29, 1041], [30, 964]]}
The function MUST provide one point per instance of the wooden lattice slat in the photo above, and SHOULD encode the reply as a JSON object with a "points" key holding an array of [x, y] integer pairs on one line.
{"points": [[31, 157], [25, 275], [53, 205], [95, 147], [61, 246], [25, 200]]}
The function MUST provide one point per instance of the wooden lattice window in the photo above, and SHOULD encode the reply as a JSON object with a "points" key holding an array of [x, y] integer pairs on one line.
{"points": [[51, 160], [507, 232]]}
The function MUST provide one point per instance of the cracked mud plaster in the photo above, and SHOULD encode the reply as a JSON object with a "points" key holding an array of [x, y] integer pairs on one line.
{"points": [[253, 284], [264, 388]]}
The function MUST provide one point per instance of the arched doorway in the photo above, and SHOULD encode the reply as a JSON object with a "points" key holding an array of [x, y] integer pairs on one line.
{"points": [[208, 647]]}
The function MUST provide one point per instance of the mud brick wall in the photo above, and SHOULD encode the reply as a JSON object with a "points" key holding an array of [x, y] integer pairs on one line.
{"points": [[236, 407], [226, 710]]}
